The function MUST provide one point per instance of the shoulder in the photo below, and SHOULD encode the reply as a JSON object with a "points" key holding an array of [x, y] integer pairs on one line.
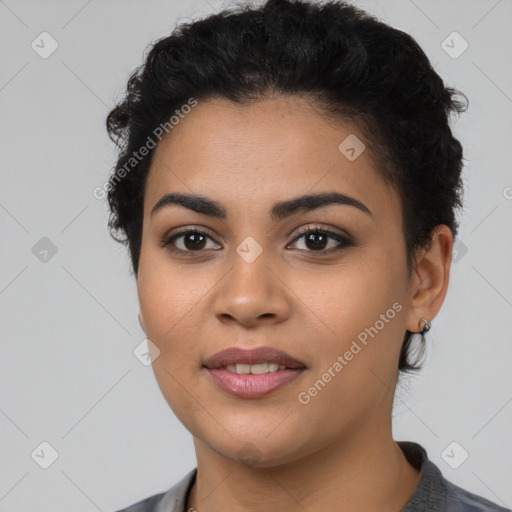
{"points": [[458, 499], [146, 505], [173, 500], [435, 493]]}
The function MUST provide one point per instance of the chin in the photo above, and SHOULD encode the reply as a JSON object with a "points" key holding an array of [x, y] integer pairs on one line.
{"points": [[256, 451]]}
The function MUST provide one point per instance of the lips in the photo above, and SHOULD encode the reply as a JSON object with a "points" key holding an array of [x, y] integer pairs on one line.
{"points": [[235, 355], [253, 386]]}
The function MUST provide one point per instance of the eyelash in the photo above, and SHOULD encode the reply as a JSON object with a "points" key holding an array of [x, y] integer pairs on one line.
{"points": [[344, 241]]}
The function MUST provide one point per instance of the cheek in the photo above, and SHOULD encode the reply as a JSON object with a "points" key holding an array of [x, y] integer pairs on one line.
{"points": [[361, 308], [347, 302], [361, 312], [167, 297], [167, 300]]}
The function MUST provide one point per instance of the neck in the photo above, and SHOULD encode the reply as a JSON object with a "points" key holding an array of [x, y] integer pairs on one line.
{"points": [[364, 473]]}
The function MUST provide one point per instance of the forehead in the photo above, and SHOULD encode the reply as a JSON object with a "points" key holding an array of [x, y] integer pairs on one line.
{"points": [[249, 156]]}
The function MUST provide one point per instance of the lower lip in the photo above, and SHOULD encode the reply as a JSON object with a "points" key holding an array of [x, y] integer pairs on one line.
{"points": [[252, 385]]}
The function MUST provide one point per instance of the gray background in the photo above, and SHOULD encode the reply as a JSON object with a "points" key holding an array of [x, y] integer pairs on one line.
{"points": [[69, 324]]}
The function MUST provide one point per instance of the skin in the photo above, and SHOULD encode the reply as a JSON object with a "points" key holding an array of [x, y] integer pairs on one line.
{"points": [[338, 448]]}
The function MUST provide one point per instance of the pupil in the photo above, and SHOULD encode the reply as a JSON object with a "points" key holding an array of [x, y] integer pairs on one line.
{"points": [[195, 238], [311, 238]]}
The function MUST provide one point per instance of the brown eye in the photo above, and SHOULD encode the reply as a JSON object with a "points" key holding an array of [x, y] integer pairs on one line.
{"points": [[194, 241], [316, 240], [190, 240]]}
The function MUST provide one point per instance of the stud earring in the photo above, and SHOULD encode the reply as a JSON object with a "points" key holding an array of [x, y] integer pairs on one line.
{"points": [[427, 324]]}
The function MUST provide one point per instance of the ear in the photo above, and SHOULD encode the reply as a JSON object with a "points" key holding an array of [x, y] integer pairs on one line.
{"points": [[429, 279], [141, 322]]}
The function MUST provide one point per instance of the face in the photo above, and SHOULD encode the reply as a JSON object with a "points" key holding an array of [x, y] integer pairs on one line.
{"points": [[336, 300]]}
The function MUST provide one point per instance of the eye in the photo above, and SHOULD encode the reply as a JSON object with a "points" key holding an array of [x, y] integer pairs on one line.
{"points": [[193, 240], [317, 239]]}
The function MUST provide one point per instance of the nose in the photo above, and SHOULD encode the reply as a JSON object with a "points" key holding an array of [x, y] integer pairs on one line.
{"points": [[253, 293]]}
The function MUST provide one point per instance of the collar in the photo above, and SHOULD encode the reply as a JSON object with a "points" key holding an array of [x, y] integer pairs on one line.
{"points": [[429, 495]]}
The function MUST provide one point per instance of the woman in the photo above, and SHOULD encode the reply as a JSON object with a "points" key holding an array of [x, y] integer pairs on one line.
{"points": [[287, 184]]}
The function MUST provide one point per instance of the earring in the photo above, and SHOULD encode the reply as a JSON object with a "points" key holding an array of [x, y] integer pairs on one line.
{"points": [[427, 324]]}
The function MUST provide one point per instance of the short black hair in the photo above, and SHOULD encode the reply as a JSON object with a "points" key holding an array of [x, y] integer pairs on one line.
{"points": [[342, 60]]}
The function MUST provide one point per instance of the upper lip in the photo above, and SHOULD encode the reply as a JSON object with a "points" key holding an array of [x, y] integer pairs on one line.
{"points": [[234, 355]]}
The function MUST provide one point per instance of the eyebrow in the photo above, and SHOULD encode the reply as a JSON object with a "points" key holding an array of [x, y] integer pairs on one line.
{"points": [[278, 212]]}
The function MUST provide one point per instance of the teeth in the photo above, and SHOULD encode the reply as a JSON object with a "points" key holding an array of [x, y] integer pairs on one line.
{"points": [[255, 368]]}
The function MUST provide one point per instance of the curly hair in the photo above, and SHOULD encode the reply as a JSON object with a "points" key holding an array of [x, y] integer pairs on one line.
{"points": [[343, 60]]}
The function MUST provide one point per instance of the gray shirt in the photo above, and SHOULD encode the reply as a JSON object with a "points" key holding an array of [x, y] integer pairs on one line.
{"points": [[433, 492]]}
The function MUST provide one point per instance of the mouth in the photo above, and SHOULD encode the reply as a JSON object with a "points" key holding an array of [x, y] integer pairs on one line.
{"points": [[261, 360], [254, 369], [252, 373]]}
